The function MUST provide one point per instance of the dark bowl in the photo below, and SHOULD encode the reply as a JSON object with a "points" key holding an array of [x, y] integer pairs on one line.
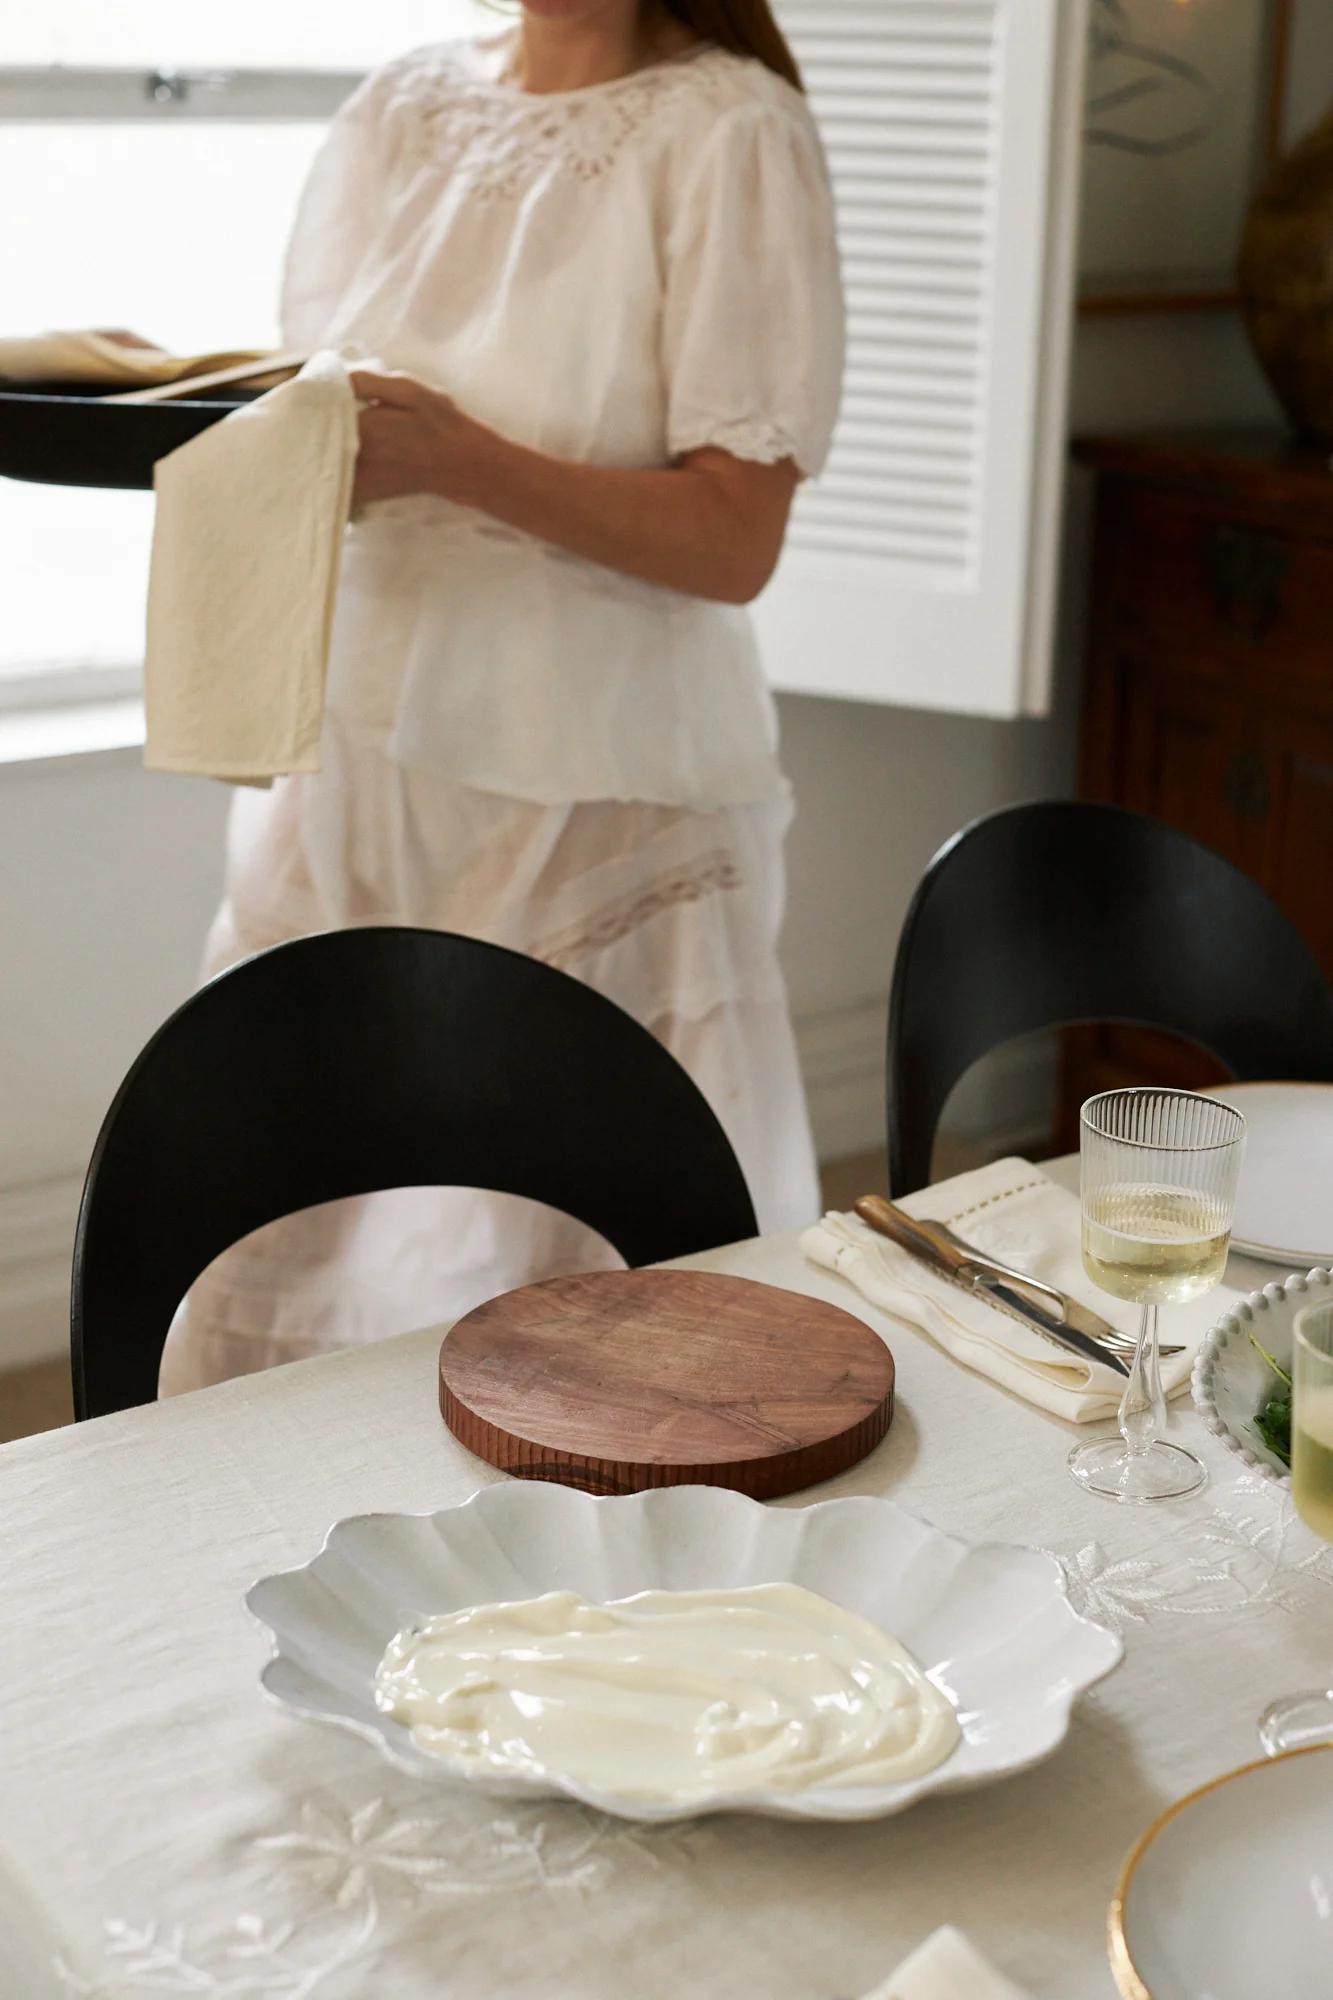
{"points": [[67, 434]]}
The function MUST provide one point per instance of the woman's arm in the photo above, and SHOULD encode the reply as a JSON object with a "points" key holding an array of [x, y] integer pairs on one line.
{"points": [[711, 524]]}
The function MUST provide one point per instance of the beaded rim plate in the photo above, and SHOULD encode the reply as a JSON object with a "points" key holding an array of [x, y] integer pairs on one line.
{"points": [[1231, 1380]]}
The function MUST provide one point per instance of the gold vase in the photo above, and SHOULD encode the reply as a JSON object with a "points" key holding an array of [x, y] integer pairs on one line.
{"points": [[1286, 281]]}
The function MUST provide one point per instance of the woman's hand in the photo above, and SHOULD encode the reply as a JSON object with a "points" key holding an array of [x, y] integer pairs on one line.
{"points": [[414, 440]]}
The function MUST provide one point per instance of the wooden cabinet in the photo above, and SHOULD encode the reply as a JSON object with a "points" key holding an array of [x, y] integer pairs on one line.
{"points": [[1208, 699]]}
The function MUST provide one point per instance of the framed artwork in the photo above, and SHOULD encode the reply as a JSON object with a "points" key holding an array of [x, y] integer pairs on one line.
{"points": [[1183, 113]]}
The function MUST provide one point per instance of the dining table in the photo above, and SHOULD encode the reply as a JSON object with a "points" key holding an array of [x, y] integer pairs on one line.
{"points": [[165, 1829]]}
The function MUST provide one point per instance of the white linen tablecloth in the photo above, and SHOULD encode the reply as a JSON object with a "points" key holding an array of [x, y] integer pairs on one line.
{"points": [[190, 1839]]}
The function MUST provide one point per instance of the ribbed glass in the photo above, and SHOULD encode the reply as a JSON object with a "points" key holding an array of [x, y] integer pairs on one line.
{"points": [[1300, 1721], [1166, 1138], [1159, 1173]]}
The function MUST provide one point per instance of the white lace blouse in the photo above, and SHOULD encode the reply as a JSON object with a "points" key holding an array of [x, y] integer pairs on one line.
{"points": [[617, 275]]}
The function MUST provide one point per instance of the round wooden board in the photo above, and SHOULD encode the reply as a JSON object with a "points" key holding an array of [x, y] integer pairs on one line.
{"points": [[619, 1380]]}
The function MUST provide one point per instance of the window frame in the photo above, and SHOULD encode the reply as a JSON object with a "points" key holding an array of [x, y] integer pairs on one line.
{"points": [[52, 93]]}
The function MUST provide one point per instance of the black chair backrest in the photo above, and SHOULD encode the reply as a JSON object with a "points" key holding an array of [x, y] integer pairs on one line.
{"points": [[1044, 915], [369, 1059]]}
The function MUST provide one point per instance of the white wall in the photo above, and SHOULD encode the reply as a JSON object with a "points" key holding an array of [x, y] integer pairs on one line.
{"points": [[107, 880], [108, 876]]}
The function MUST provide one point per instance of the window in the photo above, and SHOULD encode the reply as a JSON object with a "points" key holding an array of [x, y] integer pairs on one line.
{"points": [[919, 568], [160, 149]]}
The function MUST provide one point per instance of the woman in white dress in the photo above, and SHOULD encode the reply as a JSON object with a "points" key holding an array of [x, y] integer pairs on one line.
{"points": [[593, 258]]}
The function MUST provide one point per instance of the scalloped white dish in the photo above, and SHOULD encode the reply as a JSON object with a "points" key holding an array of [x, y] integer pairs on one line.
{"points": [[1226, 1896], [1231, 1381], [989, 1622]]}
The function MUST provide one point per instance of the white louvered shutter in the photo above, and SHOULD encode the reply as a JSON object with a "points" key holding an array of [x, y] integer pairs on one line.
{"points": [[919, 567]]}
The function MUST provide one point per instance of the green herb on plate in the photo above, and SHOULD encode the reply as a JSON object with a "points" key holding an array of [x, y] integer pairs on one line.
{"points": [[1273, 1419]]}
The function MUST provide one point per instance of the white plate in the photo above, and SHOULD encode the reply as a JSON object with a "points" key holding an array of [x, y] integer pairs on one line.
{"points": [[1227, 1895], [1286, 1183], [989, 1622], [1231, 1380]]}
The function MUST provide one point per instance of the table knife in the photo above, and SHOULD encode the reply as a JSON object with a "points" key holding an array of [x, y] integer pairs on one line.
{"points": [[937, 1246], [1068, 1310]]}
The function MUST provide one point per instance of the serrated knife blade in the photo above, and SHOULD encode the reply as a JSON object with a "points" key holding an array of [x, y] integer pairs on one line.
{"points": [[1006, 1300]]}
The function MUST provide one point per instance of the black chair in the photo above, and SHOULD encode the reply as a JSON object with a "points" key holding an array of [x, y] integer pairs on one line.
{"points": [[370, 1059], [1044, 915]]}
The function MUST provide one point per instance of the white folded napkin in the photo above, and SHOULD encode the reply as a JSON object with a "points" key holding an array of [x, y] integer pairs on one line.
{"points": [[947, 1967], [1020, 1217], [246, 551]]}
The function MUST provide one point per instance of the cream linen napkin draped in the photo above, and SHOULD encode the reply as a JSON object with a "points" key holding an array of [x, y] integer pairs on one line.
{"points": [[946, 1967], [246, 550], [98, 358], [1015, 1213]]}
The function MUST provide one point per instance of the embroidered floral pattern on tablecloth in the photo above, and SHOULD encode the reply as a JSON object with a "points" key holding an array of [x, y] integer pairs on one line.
{"points": [[1250, 1552], [345, 1869]]}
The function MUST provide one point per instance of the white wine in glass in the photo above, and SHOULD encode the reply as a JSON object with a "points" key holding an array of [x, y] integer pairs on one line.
{"points": [[1312, 1457], [1157, 1244], [1301, 1720], [1158, 1171]]}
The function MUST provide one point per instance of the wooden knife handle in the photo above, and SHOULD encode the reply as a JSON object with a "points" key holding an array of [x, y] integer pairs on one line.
{"points": [[922, 1238]]}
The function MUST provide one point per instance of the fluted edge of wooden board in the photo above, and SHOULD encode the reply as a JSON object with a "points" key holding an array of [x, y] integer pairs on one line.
{"points": [[616, 1381]]}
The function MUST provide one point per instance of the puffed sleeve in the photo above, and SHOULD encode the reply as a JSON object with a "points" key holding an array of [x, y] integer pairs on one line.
{"points": [[341, 211], [753, 324]]}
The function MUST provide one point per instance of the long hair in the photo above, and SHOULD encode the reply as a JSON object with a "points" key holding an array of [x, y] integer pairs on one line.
{"points": [[746, 26]]}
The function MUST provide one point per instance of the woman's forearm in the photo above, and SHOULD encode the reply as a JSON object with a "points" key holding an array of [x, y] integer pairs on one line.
{"points": [[711, 525], [699, 527]]}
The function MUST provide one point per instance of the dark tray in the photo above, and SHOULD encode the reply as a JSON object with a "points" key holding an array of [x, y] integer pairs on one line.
{"points": [[65, 434]]}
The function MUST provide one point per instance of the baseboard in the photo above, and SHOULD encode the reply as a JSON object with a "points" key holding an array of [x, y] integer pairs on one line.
{"points": [[36, 1245], [842, 1062], [1005, 1103]]}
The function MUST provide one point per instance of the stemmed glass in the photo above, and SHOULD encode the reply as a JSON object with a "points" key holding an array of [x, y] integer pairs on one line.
{"points": [[1159, 1170], [1301, 1719]]}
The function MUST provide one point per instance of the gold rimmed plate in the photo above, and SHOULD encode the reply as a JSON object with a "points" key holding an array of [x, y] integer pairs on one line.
{"points": [[1229, 1894]]}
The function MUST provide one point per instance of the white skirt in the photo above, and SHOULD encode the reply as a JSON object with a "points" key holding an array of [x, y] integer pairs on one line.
{"points": [[673, 914]]}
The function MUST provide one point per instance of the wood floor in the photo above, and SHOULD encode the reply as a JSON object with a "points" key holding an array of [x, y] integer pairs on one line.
{"points": [[35, 1399], [38, 1398]]}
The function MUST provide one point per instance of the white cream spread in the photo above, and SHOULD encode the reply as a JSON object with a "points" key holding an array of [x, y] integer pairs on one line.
{"points": [[670, 1696]]}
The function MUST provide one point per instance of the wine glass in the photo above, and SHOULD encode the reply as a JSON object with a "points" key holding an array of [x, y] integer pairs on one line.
{"points": [[1159, 1170], [1302, 1719]]}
